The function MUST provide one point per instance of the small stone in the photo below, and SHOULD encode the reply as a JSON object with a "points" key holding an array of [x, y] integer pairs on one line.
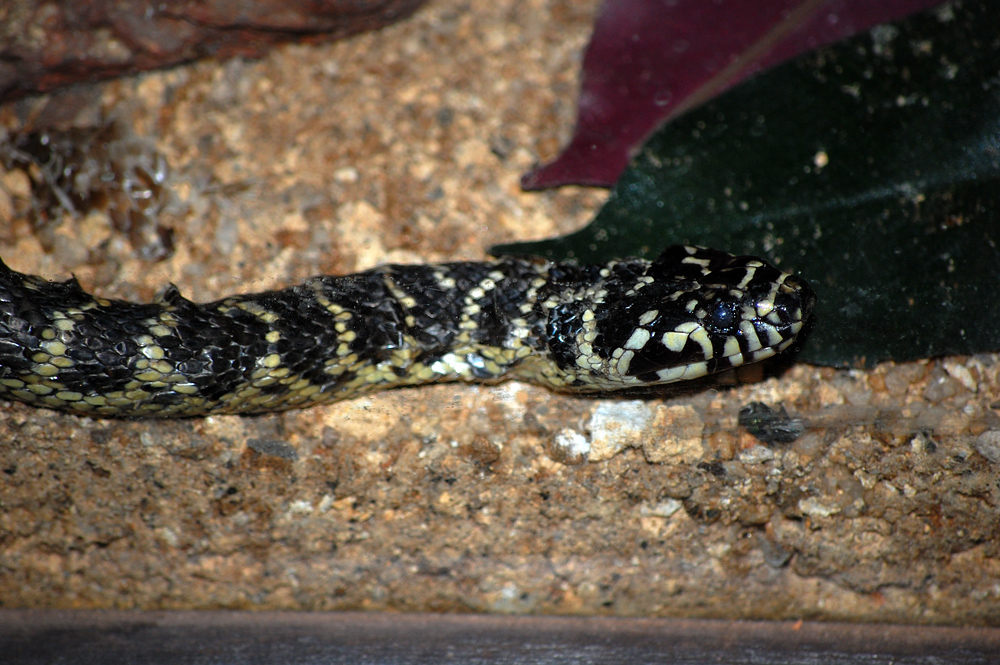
{"points": [[775, 555], [898, 379], [570, 446], [300, 507], [615, 426], [756, 455], [923, 444], [940, 386], [664, 508], [274, 448], [346, 175], [988, 445], [963, 375], [815, 508]]}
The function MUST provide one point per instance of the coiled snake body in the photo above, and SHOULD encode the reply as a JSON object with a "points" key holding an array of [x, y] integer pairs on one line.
{"points": [[627, 323]]}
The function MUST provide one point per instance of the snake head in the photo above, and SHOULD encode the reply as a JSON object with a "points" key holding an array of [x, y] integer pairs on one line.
{"points": [[690, 313]]}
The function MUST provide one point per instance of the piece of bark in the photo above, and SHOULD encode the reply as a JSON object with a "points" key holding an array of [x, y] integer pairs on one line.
{"points": [[45, 45]]}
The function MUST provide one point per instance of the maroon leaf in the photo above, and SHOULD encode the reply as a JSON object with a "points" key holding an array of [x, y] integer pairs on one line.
{"points": [[652, 59]]}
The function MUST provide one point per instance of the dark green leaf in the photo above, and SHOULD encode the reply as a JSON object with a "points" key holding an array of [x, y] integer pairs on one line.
{"points": [[872, 168]]}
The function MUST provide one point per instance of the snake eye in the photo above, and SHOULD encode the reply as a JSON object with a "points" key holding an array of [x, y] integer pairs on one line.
{"points": [[722, 316]]}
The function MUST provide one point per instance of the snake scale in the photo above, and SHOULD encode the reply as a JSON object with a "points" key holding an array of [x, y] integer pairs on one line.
{"points": [[628, 323]]}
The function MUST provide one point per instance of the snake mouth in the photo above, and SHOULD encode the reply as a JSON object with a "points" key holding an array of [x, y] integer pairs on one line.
{"points": [[796, 298], [793, 305], [773, 322]]}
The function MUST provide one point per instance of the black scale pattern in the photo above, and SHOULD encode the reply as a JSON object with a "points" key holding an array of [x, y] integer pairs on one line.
{"points": [[569, 327]]}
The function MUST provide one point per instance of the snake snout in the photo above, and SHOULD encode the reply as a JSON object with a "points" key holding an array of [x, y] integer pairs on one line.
{"points": [[794, 300]]}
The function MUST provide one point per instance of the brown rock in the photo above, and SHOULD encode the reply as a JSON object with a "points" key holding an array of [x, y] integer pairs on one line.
{"points": [[47, 45]]}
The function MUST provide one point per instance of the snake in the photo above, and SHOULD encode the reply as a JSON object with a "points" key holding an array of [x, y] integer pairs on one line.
{"points": [[597, 328]]}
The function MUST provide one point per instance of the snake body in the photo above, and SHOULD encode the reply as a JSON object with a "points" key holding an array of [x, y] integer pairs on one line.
{"points": [[628, 323]]}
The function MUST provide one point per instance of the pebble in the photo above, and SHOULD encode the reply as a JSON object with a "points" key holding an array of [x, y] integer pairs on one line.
{"points": [[273, 448], [988, 445], [615, 426], [756, 455], [940, 386], [572, 446], [898, 379]]}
